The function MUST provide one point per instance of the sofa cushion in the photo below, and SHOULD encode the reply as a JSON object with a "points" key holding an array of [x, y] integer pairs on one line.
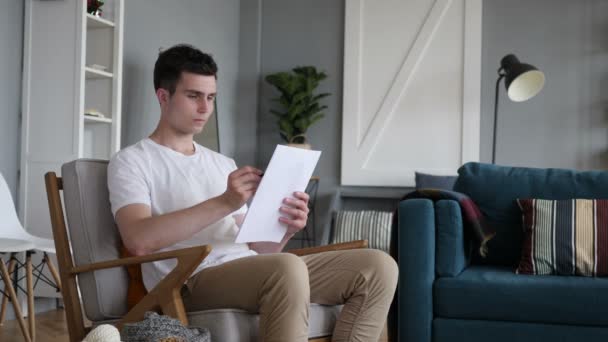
{"points": [[495, 190], [498, 294], [565, 237], [371, 225], [428, 181]]}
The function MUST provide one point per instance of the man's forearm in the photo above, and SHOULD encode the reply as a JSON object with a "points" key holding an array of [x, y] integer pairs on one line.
{"points": [[270, 247], [152, 233]]}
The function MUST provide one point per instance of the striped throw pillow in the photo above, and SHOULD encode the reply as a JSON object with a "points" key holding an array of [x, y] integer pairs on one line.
{"points": [[373, 226], [564, 237]]}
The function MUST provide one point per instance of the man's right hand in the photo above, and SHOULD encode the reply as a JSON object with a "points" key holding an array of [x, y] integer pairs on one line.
{"points": [[242, 184]]}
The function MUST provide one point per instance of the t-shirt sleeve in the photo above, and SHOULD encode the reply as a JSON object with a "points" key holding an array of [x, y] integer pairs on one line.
{"points": [[126, 183]]}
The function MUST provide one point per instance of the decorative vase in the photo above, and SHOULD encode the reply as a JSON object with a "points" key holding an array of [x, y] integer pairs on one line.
{"points": [[302, 143], [303, 146]]}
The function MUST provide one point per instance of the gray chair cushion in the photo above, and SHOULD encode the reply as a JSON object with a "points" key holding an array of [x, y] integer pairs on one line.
{"points": [[236, 325], [239, 326], [94, 237]]}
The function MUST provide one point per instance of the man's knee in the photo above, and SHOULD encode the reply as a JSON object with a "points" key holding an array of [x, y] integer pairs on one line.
{"points": [[291, 270], [378, 264]]}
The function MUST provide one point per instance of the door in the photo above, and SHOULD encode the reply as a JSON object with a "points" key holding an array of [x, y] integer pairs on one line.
{"points": [[411, 89]]}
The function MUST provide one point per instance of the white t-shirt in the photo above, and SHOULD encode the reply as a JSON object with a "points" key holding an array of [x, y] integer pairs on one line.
{"points": [[167, 181]]}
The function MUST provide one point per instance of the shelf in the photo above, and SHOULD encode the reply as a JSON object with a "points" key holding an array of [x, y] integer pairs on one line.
{"points": [[93, 119], [91, 73], [374, 192], [94, 22]]}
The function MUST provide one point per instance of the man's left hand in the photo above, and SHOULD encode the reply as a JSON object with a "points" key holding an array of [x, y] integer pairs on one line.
{"points": [[295, 211]]}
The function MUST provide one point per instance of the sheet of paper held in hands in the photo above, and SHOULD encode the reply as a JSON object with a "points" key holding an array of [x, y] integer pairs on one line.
{"points": [[289, 170]]}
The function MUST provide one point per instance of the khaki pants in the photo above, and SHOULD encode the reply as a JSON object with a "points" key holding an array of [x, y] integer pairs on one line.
{"points": [[280, 287]]}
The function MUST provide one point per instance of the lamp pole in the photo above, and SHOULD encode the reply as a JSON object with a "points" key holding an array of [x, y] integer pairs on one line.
{"points": [[523, 81], [501, 75]]}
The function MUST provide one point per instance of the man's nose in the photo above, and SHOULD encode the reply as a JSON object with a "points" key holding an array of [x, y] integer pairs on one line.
{"points": [[203, 106]]}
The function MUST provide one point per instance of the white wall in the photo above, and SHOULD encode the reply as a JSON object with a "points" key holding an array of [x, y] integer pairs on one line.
{"points": [[11, 54]]}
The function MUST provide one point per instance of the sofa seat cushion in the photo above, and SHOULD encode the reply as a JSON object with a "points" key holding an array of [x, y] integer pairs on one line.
{"points": [[498, 294]]}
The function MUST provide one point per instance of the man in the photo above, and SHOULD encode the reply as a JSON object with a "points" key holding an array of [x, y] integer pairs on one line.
{"points": [[167, 192]]}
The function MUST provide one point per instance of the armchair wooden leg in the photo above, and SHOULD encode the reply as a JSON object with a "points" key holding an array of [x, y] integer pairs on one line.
{"points": [[31, 313], [53, 270], [8, 286], [11, 269]]}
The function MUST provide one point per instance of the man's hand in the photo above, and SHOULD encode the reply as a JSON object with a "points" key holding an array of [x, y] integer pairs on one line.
{"points": [[296, 212], [242, 184]]}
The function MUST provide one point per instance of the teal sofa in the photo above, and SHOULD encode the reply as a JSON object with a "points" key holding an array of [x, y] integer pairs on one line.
{"points": [[447, 292]]}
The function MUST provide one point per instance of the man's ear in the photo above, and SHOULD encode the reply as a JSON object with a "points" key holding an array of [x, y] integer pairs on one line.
{"points": [[162, 95]]}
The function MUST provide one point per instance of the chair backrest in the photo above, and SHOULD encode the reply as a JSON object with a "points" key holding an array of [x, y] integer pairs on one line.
{"points": [[94, 238], [495, 189], [10, 226]]}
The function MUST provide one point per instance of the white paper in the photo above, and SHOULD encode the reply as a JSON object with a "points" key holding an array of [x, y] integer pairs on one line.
{"points": [[289, 170]]}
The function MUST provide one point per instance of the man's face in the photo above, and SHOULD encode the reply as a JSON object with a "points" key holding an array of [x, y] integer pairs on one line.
{"points": [[190, 107]]}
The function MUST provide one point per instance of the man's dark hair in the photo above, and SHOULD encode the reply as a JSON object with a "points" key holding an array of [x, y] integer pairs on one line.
{"points": [[177, 59]]}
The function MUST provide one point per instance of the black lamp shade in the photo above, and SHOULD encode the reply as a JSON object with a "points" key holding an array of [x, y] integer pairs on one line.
{"points": [[523, 81]]}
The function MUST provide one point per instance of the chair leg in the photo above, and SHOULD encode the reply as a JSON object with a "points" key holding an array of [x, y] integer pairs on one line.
{"points": [[31, 313], [8, 286], [53, 270], [11, 269]]}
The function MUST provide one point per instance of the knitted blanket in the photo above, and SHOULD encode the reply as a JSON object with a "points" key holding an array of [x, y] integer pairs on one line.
{"points": [[473, 218], [156, 328]]}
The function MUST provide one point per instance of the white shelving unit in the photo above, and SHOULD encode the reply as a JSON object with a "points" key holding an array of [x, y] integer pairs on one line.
{"points": [[72, 65], [92, 74]]}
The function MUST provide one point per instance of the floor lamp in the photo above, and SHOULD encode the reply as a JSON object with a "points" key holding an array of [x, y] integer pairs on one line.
{"points": [[523, 82]]}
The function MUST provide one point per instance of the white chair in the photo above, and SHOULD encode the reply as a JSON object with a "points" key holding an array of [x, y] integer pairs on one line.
{"points": [[15, 239]]}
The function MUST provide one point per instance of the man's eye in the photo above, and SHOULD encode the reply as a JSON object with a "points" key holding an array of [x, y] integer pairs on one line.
{"points": [[192, 96], [211, 98]]}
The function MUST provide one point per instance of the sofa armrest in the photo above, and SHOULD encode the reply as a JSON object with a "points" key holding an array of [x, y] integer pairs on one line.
{"points": [[416, 257], [451, 248]]}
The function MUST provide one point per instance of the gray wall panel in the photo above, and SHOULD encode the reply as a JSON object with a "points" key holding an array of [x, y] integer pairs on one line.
{"points": [[566, 125], [11, 55], [212, 26]]}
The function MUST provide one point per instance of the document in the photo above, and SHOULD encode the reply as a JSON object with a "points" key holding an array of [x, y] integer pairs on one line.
{"points": [[289, 170]]}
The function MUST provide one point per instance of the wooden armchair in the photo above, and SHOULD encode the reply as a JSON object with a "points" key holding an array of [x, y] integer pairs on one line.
{"points": [[89, 251]]}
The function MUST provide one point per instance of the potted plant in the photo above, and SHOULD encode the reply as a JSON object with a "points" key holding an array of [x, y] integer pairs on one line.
{"points": [[300, 105], [94, 7]]}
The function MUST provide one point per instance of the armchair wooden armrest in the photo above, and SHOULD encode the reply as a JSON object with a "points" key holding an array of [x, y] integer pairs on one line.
{"points": [[333, 247], [166, 294]]}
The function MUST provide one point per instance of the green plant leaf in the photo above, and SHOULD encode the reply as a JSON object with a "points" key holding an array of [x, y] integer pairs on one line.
{"points": [[320, 96], [286, 126], [301, 124], [315, 118]]}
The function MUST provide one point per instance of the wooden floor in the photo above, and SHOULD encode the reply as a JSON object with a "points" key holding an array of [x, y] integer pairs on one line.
{"points": [[51, 327]]}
